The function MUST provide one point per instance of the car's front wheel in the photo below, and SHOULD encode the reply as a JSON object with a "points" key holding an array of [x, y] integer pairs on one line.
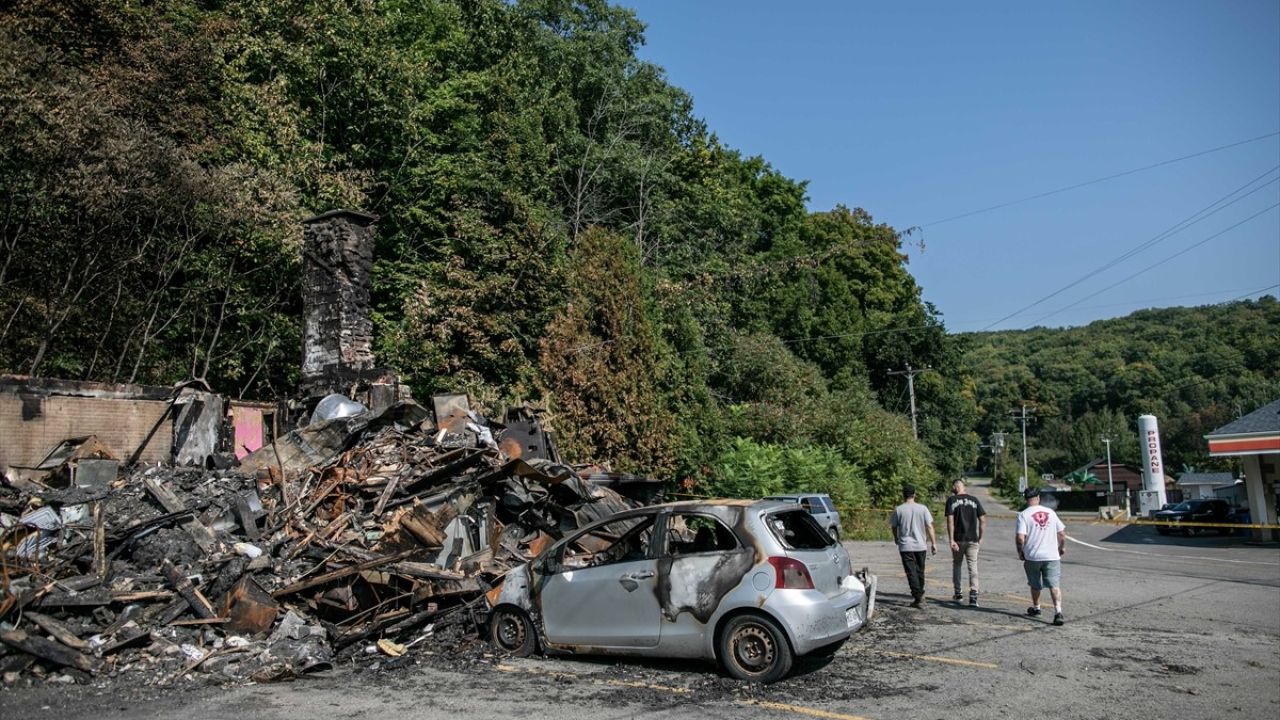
{"points": [[835, 533], [511, 631], [753, 647]]}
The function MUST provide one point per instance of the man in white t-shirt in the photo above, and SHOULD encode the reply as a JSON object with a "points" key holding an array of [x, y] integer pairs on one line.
{"points": [[1042, 541]]}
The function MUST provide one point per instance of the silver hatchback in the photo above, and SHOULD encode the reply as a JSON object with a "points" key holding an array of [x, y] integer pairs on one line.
{"points": [[752, 584]]}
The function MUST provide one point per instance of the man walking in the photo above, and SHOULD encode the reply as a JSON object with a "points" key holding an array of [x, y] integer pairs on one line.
{"points": [[1042, 541], [966, 524], [912, 525]]}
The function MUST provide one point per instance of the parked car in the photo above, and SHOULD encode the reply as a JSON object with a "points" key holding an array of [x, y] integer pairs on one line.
{"points": [[1195, 511], [751, 584], [820, 507]]}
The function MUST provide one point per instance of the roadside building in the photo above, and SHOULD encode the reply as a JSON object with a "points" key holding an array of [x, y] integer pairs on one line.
{"points": [[41, 419], [1196, 485], [1255, 440], [1233, 492], [1126, 480], [1124, 477]]}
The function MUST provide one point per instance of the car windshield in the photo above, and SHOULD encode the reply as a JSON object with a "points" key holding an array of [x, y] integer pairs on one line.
{"points": [[1183, 506]]}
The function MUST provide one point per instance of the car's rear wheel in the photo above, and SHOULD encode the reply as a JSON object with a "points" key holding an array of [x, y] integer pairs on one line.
{"points": [[835, 533], [511, 631], [753, 647]]}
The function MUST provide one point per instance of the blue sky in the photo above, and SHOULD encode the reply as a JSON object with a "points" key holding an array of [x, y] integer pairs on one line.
{"points": [[921, 111]]}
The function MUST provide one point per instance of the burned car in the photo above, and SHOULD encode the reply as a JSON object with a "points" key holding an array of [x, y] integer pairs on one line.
{"points": [[750, 584]]}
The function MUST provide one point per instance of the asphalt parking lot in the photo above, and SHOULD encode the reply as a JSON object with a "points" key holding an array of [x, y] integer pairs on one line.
{"points": [[1157, 627]]}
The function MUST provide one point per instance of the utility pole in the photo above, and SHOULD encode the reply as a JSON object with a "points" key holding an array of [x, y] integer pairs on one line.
{"points": [[1111, 488], [1023, 417], [997, 444], [911, 374]]}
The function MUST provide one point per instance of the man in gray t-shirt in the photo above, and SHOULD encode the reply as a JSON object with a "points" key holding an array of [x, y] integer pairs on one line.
{"points": [[912, 525]]}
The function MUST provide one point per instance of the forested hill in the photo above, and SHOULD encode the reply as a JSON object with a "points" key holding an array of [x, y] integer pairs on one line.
{"points": [[1195, 369], [556, 226]]}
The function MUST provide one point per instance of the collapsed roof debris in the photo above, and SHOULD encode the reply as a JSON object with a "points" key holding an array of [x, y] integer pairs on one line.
{"points": [[365, 534]]}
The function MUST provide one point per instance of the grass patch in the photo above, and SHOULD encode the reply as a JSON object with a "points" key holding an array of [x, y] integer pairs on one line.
{"points": [[873, 523], [866, 524]]}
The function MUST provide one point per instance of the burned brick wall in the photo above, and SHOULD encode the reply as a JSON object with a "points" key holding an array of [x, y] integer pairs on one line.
{"points": [[37, 414], [338, 263]]}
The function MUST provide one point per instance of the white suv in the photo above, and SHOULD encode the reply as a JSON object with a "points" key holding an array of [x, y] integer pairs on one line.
{"points": [[819, 506]]}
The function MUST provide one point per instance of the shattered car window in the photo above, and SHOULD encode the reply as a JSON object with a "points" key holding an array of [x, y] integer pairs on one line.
{"points": [[798, 530], [688, 534], [619, 541]]}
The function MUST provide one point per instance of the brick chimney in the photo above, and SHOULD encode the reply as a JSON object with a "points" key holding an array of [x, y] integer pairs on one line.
{"points": [[337, 339]]}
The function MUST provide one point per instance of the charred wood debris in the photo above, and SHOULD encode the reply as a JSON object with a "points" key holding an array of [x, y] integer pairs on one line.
{"points": [[360, 540]]}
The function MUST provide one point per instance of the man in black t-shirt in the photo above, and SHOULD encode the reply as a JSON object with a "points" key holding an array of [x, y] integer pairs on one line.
{"points": [[966, 524]]}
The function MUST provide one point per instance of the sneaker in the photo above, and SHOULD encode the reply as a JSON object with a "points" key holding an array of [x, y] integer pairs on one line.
{"points": [[1033, 611], [973, 599], [957, 597], [1058, 619]]}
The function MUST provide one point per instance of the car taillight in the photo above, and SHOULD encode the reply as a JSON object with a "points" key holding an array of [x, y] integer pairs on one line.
{"points": [[791, 574]]}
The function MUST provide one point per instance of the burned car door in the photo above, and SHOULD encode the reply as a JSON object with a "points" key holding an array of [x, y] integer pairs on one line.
{"points": [[601, 592], [701, 562]]}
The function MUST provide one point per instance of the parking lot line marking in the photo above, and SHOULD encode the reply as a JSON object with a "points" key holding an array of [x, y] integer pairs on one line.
{"points": [[603, 681], [935, 658], [1176, 557], [783, 707], [801, 710], [994, 626], [647, 686]]}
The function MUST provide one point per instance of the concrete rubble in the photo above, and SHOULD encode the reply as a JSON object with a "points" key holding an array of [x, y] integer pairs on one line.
{"points": [[364, 537]]}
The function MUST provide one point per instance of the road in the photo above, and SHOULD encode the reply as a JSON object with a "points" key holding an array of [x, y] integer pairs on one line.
{"points": [[1157, 627]]}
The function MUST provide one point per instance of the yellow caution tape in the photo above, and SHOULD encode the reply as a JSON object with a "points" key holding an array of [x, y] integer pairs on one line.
{"points": [[1147, 521]]}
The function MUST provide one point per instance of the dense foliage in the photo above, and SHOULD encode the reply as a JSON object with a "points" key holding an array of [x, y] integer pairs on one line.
{"points": [[556, 226], [1195, 369]]}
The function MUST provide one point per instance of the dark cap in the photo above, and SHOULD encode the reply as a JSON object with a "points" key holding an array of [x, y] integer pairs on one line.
{"points": [[908, 491], [1031, 492]]}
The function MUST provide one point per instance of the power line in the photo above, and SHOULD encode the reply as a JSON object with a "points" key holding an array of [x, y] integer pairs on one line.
{"points": [[1098, 180], [1167, 298], [1180, 253], [1209, 210], [1251, 292]]}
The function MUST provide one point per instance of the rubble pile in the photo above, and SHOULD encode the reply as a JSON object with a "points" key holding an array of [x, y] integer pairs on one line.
{"points": [[358, 535]]}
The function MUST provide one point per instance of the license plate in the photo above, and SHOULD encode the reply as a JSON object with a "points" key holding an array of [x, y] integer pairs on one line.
{"points": [[851, 617]]}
